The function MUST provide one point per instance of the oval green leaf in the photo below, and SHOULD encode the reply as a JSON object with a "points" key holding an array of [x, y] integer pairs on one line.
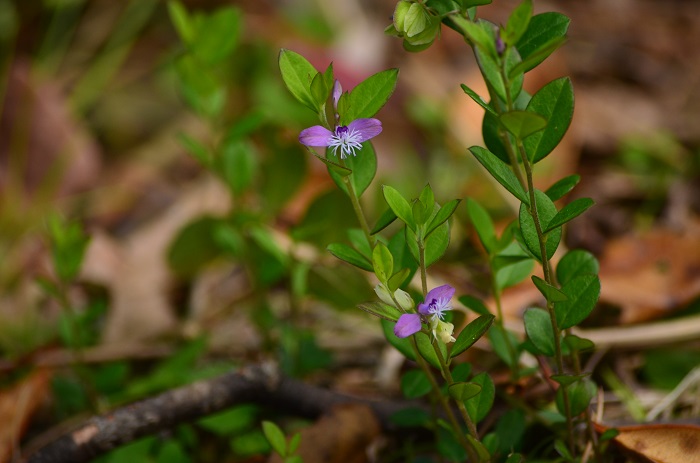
{"points": [[471, 333], [576, 263], [538, 327], [583, 292], [555, 103]]}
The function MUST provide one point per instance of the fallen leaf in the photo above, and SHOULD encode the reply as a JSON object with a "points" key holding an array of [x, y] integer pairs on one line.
{"points": [[648, 275], [660, 443], [17, 405], [135, 270]]}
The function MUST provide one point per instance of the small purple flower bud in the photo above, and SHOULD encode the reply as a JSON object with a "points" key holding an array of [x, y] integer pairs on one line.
{"points": [[500, 44]]}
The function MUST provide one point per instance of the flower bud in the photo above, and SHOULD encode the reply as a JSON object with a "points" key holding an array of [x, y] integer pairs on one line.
{"points": [[400, 15], [442, 330], [384, 294], [404, 299]]}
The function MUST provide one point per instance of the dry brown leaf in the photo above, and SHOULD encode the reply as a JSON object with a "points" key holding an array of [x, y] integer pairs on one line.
{"points": [[660, 443], [648, 275], [342, 436], [17, 405], [136, 271]]}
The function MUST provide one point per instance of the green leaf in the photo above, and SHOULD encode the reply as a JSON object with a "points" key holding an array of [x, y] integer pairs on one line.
{"points": [[576, 263], [538, 327], [515, 271], [427, 349], [398, 279], [580, 395], [238, 164], [577, 343], [443, 214], [474, 304], [562, 187], [435, 245], [320, 91], [381, 310], [297, 74], [567, 380], [491, 71], [233, 420], [471, 333], [482, 224], [569, 212], [542, 30], [350, 255], [411, 417], [510, 430], [358, 239], [181, 21], [549, 292], [203, 91], [414, 384], [500, 171], [531, 61], [500, 339], [275, 437], [555, 103], [403, 345], [463, 391], [522, 124], [195, 245], [423, 207], [369, 96], [200, 152], [334, 168], [546, 211], [479, 406], [383, 262], [511, 60], [511, 265], [480, 101], [217, 35], [293, 447], [518, 22], [475, 34], [363, 167], [583, 292], [561, 447], [399, 205], [386, 219], [264, 238]]}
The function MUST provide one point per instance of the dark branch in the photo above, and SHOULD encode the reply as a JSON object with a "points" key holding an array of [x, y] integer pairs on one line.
{"points": [[257, 384]]}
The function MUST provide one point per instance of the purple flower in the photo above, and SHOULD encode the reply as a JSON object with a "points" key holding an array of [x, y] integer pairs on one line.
{"points": [[347, 138], [431, 310]]}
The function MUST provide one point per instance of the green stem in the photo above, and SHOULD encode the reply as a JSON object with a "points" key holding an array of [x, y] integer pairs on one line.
{"points": [[549, 278], [421, 265], [445, 370], [501, 327], [357, 207]]}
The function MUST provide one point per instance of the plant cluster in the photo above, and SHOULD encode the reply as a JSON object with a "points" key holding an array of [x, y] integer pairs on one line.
{"points": [[519, 131]]}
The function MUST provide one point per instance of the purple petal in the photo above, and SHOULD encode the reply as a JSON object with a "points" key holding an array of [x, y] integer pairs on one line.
{"points": [[408, 324], [441, 292], [316, 136], [337, 91], [366, 128]]}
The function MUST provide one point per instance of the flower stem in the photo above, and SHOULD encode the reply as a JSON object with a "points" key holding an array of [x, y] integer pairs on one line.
{"points": [[549, 278], [445, 370], [357, 207]]}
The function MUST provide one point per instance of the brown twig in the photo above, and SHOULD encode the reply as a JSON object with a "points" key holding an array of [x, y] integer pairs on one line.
{"points": [[261, 384]]}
